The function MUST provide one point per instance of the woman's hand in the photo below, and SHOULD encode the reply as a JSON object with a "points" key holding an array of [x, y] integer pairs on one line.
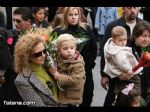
{"points": [[105, 82]]}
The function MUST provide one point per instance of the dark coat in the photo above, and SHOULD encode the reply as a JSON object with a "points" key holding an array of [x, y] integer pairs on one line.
{"points": [[146, 12], [145, 74], [6, 62], [6, 57], [2, 20]]}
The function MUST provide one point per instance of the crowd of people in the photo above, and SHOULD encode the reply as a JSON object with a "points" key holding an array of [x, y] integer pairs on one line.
{"points": [[29, 72]]}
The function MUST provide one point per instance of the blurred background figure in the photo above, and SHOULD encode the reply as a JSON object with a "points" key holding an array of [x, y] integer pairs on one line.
{"points": [[104, 16], [38, 17], [146, 12]]}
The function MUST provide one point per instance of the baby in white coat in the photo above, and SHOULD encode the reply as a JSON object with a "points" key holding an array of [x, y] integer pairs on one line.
{"points": [[118, 57]]}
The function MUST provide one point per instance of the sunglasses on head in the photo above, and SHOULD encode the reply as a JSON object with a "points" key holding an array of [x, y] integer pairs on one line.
{"points": [[38, 54], [17, 20]]}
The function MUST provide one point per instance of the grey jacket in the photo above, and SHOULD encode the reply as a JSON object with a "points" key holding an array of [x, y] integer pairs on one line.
{"points": [[31, 90]]}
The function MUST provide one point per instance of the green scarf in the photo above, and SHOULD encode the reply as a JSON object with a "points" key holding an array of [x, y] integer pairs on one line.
{"points": [[43, 77], [146, 49]]}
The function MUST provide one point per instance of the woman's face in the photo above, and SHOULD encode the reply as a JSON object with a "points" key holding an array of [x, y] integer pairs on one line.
{"points": [[143, 40], [38, 54], [39, 15], [73, 17]]}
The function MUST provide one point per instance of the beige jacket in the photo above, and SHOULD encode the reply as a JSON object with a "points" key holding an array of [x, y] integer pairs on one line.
{"points": [[71, 79]]}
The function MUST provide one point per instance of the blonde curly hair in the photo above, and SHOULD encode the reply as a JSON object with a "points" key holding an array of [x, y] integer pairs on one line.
{"points": [[65, 37], [23, 48]]}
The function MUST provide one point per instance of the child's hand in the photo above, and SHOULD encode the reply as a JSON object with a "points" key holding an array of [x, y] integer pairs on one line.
{"points": [[52, 70]]}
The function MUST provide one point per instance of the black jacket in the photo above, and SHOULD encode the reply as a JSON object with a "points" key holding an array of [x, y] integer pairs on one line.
{"points": [[146, 12], [2, 20], [145, 74], [5, 49]]}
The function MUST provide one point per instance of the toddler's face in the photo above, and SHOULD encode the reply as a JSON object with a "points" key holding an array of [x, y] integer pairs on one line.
{"points": [[120, 41], [136, 101], [67, 49]]}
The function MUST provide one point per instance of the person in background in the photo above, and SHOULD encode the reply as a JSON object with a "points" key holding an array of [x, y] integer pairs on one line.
{"points": [[104, 15], [58, 20], [73, 24], [140, 41], [52, 13], [70, 72], [46, 14], [38, 15], [33, 83], [145, 11], [22, 19], [90, 14], [119, 12], [129, 97], [6, 42], [7, 11], [60, 11], [22, 22], [2, 19]]}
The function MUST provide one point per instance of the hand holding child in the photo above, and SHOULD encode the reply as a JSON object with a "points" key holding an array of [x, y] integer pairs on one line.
{"points": [[125, 76], [53, 71]]}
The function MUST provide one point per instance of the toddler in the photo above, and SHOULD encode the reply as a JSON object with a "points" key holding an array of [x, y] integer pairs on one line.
{"points": [[120, 59], [70, 72]]}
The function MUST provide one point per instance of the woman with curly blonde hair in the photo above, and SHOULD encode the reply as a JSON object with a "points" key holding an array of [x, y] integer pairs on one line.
{"points": [[33, 83]]}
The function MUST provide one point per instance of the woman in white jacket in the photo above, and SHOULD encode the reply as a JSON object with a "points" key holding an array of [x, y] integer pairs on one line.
{"points": [[119, 59]]}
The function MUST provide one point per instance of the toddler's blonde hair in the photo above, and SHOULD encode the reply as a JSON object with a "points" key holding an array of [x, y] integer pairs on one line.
{"points": [[65, 37], [118, 31]]}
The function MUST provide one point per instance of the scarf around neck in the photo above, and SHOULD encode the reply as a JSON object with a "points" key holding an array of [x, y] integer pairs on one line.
{"points": [[44, 77]]}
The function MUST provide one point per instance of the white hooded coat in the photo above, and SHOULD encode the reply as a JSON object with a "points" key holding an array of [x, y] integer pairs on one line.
{"points": [[119, 59]]}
